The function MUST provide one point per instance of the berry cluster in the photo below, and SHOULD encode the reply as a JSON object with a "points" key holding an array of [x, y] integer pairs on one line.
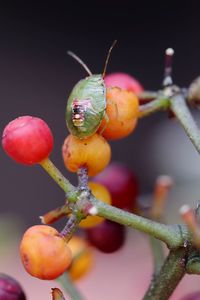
{"points": [[44, 251], [102, 108]]}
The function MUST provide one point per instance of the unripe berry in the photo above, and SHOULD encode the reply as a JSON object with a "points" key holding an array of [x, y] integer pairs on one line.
{"points": [[122, 111], [101, 193], [27, 140], [94, 153], [123, 81], [10, 289], [44, 253], [82, 257]]}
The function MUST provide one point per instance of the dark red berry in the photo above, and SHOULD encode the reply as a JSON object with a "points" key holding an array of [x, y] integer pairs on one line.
{"points": [[10, 289], [193, 296], [123, 81], [27, 140], [121, 183], [107, 237]]}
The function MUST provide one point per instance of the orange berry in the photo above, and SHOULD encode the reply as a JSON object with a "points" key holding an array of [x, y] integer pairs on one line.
{"points": [[122, 112], [93, 153], [101, 193], [44, 253], [82, 257]]}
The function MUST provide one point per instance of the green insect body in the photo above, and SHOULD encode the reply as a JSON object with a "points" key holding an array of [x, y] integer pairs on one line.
{"points": [[86, 106]]}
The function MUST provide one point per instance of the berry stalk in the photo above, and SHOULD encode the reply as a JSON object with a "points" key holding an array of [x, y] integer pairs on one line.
{"points": [[69, 287], [160, 103], [57, 176]]}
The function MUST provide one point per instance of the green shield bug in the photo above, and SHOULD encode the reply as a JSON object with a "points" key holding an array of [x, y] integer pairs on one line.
{"points": [[87, 102]]}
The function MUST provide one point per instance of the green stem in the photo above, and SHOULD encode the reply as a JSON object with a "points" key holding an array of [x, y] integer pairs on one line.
{"points": [[193, 263], [170, 275], [182, 113], [161, 103], [147, 96], [158, 254], [69, 287], [170, 234], [57, 176]]}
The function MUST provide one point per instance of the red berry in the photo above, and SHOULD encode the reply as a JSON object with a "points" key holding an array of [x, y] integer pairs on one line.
{"points": [[108, 236], [193, 296], [27, 140], [10, 289], [123, 81], [121, 183]]}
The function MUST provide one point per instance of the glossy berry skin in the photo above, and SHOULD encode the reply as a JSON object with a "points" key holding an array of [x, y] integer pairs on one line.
{"points": [[121, 183], [93, 153], [82, 258], [102, 194], [122, 113], [10, 289], [193, 296], [27, 140], [44, 253], [86, 106], [123, 81], [107, 237]]}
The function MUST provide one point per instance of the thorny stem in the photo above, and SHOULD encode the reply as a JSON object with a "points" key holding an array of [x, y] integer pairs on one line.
{"points": [[69, 287], [170, 275]]}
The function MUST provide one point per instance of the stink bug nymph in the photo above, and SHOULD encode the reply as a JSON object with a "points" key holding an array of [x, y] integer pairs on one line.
{"points": [[87, 102]]}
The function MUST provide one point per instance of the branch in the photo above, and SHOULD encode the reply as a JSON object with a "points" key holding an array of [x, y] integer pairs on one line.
{"points": [[183, 114], [169, 277], [172, 235]]}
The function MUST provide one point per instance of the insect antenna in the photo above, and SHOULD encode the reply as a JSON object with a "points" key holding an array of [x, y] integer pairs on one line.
{"points": [[107, 58], [167, 81], [74, 56]]}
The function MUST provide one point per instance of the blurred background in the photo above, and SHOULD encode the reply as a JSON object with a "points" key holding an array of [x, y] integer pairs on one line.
{"points": [[36, 77]]}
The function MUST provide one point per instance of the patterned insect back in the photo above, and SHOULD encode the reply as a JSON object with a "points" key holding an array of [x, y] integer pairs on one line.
{"points": [[86, 106], [78, 112]]}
